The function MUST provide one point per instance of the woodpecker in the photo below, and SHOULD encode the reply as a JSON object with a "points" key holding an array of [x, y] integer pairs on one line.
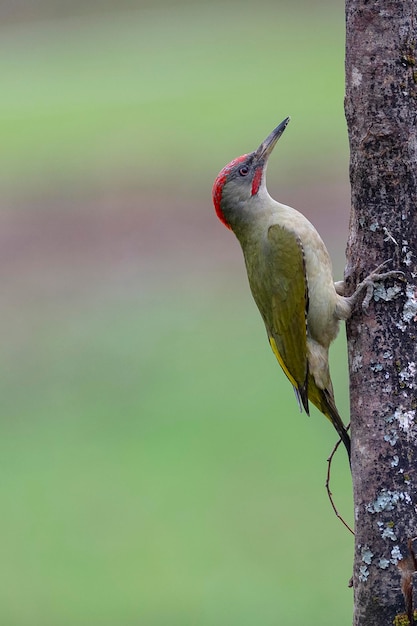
{"points": [[290, 276]]}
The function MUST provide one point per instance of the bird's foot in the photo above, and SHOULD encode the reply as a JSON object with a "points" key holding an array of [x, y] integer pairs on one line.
{"points": [[368, 284]]}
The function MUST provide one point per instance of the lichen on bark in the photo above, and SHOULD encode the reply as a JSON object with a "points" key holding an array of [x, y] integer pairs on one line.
{"points": [[381, 112]]}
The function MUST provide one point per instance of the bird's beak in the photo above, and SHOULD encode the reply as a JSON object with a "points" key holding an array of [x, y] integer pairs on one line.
{"points": [[266, 147]]}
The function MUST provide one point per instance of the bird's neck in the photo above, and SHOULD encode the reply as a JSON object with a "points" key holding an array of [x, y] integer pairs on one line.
{"points": [[261, 212]]}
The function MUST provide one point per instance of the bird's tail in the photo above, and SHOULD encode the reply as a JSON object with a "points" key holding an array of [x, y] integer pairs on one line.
{"points": [[323, 399]]}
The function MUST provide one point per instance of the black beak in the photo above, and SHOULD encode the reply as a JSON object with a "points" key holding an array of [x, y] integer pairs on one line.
{"points": [[266, 147]]}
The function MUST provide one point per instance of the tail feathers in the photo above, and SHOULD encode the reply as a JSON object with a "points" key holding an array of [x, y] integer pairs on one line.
{"points": [[332, 414], [336, 420], [323, 399]]}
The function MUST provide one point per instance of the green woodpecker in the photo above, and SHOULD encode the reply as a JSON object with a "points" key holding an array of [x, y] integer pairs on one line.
{"points": [[290, 276]]}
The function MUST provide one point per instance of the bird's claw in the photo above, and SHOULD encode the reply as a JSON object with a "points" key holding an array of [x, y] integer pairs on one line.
{"points": [[368, 283]]}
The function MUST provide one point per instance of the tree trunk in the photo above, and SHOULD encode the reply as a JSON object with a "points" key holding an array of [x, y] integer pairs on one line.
{"points": [[381, 112]]}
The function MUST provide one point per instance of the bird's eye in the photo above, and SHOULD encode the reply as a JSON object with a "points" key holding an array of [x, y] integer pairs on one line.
{"points": [[244, 170]]}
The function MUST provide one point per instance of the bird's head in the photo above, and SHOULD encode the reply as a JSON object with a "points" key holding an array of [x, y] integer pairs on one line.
{"points": [[243, 180]]}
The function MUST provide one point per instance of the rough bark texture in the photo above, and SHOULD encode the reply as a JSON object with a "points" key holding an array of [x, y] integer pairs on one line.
{"points": [[381, 111]]}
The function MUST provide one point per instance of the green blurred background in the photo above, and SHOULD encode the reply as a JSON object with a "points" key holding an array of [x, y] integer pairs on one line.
{"points": [[154, 467]]}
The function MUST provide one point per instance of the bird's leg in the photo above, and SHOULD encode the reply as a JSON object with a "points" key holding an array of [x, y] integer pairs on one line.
{"points": [[367, 284], [340, 287]]}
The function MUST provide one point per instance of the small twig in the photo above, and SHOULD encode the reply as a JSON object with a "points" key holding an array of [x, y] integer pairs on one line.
{"points": [[389, 236], [329, 493]]}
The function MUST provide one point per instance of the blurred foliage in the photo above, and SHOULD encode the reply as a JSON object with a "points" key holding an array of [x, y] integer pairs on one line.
{"points": [[165, 95], [166, 477], [154, 467]]}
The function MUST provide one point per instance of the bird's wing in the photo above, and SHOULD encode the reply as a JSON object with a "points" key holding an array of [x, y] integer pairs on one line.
{"points": [[287, 327]]}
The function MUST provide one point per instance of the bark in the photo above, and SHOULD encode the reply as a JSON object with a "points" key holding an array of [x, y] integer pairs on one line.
{"points": [[381, 112]]}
